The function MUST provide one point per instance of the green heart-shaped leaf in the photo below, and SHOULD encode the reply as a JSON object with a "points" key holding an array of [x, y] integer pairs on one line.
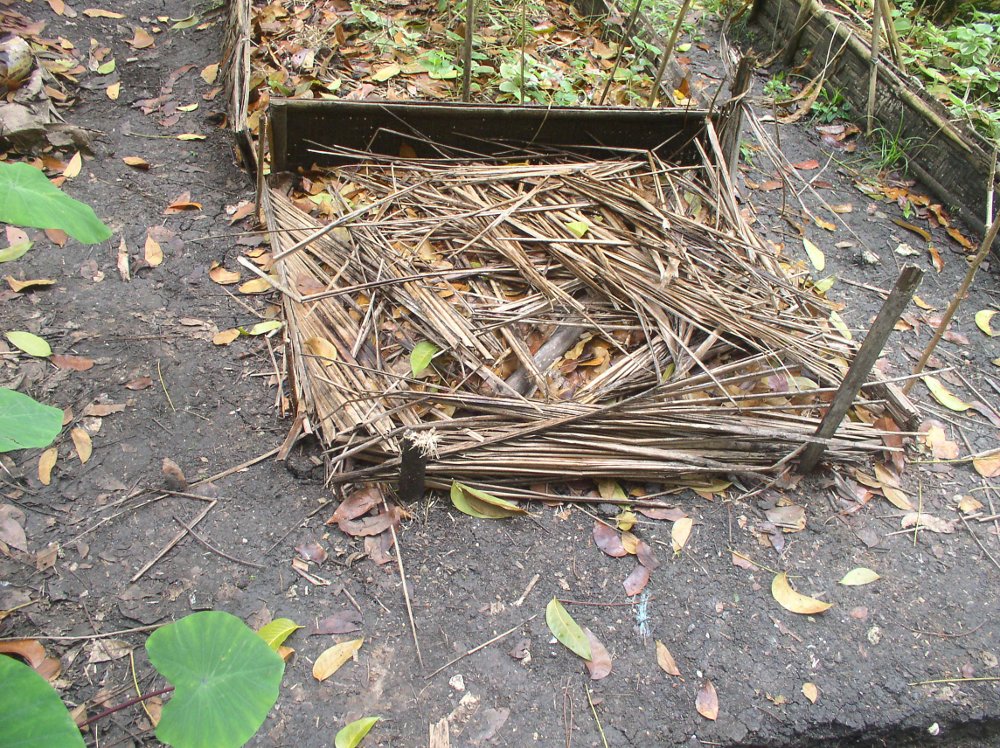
{"points": [[28, 198], [31, 713], [226, 680], [26, 423]]}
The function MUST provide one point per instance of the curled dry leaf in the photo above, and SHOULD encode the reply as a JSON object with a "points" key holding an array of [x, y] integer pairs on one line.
{"points": [[356, 505], [636, 581], [599, 664], [74, 363], [81, 440], [666, 660], [136, 162], [20, 286], [794, 601], [255, 286], [225, 337], [45, 464], [927, 522], [12, 529], [858, 576], [608, 540], [369, 526], [153, 252], [944, 396], [140, 383], [671, 514], [707, 701], [220, 275], [938, 443], [333, 658], [983, 319], [988, 465], [680, 533]]}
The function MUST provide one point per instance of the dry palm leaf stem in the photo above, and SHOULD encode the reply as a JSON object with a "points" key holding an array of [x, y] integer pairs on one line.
{"points": [[602, 318]]}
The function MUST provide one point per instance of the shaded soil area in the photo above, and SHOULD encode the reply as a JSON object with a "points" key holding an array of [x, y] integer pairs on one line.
{"points": [[911, 659]]}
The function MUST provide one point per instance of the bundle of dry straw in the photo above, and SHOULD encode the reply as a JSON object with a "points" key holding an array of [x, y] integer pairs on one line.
{"points": [[610, 318]]}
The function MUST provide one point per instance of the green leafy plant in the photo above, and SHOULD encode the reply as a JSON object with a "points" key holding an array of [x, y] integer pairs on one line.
{"points": [[225, 680], [28, 198], [831, 105], [777, 88], [26, 423]]}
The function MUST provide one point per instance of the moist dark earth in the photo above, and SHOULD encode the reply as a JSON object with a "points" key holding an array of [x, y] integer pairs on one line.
{"points": [[933, 615]]}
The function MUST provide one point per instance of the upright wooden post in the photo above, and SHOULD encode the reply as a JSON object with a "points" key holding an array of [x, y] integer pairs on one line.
{"points": [[470, 23], [863, 362], [667, 52]]}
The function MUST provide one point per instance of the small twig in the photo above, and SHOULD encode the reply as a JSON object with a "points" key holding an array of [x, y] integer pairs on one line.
{"points": [[595, 604], [527, 590], [942, 327], [125, 705], [979, 542], [215, 550], [174, 541], [485, 644], [597, 720], [406, 592], [164, 386], [87, 637], [955, 680], [943, 634]]}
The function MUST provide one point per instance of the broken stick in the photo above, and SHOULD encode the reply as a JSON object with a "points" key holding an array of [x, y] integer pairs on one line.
{"points": [[863, 362]]}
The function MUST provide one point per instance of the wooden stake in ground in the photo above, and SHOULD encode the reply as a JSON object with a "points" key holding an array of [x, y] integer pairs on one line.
{"points": [[873, 70], [801, 20], [626, 37], [984, 249], [863, 362], [470, 24], [667, 52]]}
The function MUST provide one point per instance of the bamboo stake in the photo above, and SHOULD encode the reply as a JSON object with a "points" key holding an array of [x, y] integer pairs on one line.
{"points": [[895, 49], [626, 37], [863, 362], [470, 22], [984, 249], [667, 52], [873, 69]]}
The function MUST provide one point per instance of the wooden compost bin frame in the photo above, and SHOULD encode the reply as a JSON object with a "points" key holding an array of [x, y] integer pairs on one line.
{"points": [[953, 161], [727, 118]]}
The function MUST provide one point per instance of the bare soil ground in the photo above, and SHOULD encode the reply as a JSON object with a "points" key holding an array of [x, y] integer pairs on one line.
{"points": [[934, 615]]}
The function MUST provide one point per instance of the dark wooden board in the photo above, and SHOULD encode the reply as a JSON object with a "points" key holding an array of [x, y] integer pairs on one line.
{"points": [[953, 161], [299, 127]]}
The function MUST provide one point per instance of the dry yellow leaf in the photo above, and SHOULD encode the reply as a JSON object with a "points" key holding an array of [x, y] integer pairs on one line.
{"points": [[666, 660], [81, 440], [209, 73], [680, 533], [223, 277], [332, 659], [322, 349], [810, 691], [137, 161], [114, 90], [816, 256], [630, 543], [225, 337], [45, 464], [73, 167], [153, 252], [256, 285], [944, 396], [988, 465], [794, 601], [983, 319]]}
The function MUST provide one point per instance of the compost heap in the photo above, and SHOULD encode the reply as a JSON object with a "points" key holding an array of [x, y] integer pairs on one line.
{"points": [[549, 318]]}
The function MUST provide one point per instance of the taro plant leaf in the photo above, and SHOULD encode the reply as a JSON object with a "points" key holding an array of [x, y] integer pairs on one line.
{"points": [[30, 344], [31, 713], [420, 357], [566, 630], [225, 676], [26, 423], [353, 733], [28, 198], [480, 504], [275, 632]]}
